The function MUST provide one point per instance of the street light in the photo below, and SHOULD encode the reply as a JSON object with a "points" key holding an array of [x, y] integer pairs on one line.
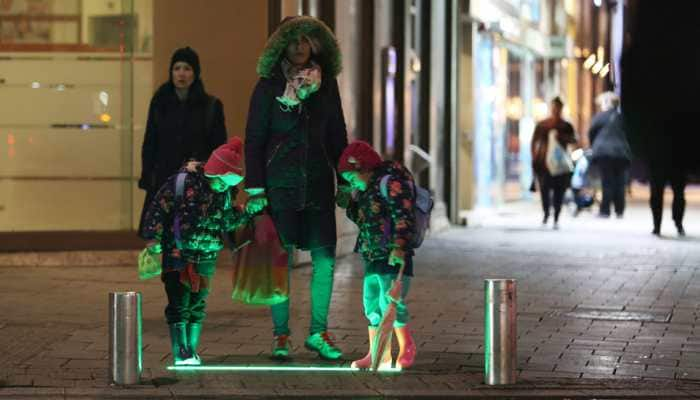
{"points": [[597, 67]]}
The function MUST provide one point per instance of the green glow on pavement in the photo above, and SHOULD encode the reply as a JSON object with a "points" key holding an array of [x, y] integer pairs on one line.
{"points": [[270, 368]]}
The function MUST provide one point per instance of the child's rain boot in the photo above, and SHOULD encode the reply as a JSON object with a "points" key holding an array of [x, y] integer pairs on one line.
{"points": [[178, 342], [407, 348]]}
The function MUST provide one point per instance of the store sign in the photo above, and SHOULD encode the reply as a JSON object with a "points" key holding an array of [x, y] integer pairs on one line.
{"points": [[534, 40], [501, 17], [559, 47]]}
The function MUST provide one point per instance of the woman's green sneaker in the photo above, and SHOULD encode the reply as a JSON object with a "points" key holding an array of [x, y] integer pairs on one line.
{"points": [[322, 344]]}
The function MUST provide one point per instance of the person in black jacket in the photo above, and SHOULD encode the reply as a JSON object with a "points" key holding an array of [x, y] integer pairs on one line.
{"points": [[184, 123], [661, 113], [294, 137]]}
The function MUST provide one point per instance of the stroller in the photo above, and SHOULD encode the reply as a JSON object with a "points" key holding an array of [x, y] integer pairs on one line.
{"points": [[581, 183]]}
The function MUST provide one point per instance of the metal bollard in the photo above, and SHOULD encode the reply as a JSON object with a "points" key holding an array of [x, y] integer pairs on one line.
{"points": [[125, 350], [500, 330]]}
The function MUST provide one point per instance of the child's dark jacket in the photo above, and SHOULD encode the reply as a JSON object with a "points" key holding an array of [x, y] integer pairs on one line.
{"points": [[204, 215], [385, 223]]}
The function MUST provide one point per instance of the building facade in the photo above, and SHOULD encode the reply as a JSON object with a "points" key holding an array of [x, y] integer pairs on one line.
{"points": [[452, 88]]}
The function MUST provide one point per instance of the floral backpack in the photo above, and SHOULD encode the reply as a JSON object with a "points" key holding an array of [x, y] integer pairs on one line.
{"points": [[422, 207]]}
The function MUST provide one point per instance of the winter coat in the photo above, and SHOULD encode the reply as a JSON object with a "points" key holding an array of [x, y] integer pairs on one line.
{"points": [[293, 154], [204, 214], [177, 131], [598, 122], [385, 223], [540, 141], [611, 143]]}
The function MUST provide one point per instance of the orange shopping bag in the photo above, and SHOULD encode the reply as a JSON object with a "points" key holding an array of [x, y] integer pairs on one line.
{"points": [[260, 271]]}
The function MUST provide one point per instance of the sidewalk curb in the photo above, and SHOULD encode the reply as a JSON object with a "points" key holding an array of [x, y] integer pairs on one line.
{"points": [[98, 258], [360, 393]]}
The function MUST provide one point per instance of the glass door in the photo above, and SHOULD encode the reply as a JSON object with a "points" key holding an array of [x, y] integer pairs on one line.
{"points": [[74, 78]]}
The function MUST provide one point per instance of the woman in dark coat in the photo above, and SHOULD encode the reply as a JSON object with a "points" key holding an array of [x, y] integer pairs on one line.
{"points": [[294, 137], [184, 123]]}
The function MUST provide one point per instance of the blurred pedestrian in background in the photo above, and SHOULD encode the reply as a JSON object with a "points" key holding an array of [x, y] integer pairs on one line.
{"points": [[611, 153], [552, 131], [608, 103]]}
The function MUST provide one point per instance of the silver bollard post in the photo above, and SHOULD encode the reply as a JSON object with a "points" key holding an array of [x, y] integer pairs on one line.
{"points": [[500, 330], [125, 357]]}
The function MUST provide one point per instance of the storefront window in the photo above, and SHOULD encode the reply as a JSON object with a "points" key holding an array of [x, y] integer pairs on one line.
{"points": [[514, 113], [75, 80]]}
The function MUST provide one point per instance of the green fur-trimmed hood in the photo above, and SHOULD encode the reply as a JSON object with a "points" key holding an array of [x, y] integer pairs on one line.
{"points": [[329, 57]]}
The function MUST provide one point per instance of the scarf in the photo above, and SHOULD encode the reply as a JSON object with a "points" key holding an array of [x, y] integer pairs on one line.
{"points": [[301, 83]]}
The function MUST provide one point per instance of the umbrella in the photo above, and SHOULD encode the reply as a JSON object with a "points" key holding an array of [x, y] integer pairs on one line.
{"points": [[386, 326]]}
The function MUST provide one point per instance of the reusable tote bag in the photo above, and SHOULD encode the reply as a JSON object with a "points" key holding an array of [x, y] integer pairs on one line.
{"points": [[260, 271], [558, 159]]}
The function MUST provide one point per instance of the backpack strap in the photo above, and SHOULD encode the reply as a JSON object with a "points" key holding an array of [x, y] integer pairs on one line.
{"points": [[179, 194], [384, 190], [384, 186]]}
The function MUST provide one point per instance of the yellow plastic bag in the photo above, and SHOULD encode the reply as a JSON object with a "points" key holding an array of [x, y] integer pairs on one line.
{"points": [[149, 265]]}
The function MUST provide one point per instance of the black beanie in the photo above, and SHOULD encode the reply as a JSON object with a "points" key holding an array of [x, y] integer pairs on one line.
{"points": [[187, 55]]}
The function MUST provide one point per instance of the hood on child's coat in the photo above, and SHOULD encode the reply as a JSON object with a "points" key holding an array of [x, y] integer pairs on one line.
{"points": [[329, 58]]}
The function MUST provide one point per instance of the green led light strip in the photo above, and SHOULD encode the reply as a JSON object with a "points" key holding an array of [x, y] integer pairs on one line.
{"points": [[267, 368]]}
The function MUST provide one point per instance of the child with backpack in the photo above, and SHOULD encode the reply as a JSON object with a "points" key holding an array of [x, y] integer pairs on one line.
{"points": [[383, 209], [185, 222]]}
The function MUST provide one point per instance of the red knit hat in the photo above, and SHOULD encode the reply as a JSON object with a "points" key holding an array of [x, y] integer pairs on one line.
{"points": [[226, 159], [358, 156]]}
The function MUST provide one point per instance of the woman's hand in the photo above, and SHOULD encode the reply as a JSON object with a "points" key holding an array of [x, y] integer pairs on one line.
{"points": [[344, 196], [256, 204]]}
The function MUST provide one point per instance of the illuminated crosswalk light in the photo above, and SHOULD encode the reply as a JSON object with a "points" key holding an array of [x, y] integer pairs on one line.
{"points": [[268, 368]]}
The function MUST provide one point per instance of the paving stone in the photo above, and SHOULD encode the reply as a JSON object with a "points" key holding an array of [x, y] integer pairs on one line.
{"points": [[688, 373], [659, 372], [635, 358], [630, 369]]}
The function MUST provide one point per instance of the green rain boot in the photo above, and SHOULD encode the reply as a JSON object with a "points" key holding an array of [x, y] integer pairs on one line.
{"points": [[178, 343], [194, 330]]}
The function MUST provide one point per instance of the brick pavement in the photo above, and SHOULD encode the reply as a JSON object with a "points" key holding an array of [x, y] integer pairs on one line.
{"points": [[53, 335]]}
